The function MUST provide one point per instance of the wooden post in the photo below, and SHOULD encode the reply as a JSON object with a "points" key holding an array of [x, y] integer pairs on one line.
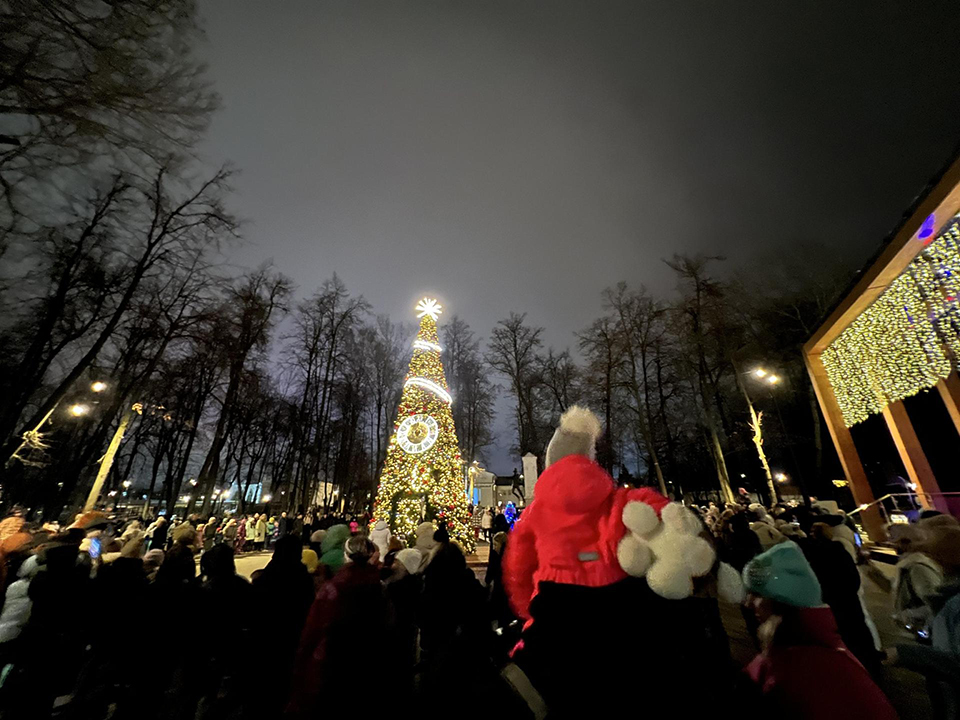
{"points": [[846, 450], [912, 455], [949, 389]]}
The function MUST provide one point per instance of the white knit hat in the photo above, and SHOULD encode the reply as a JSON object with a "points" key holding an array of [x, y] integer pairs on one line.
{"points": [[577, 435]]}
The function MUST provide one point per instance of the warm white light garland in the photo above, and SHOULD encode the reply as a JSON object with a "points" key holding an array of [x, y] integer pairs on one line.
{"points": [[425, 345], [431, 386]]}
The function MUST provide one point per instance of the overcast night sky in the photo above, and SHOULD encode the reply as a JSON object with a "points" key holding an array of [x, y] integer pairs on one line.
{"points": [[523, 156]]}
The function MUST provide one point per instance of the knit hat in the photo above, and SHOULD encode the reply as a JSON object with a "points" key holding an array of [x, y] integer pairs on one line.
{"points": [[410, 558], [783, 574], [309, 558], [769, 535], [577, 435]]}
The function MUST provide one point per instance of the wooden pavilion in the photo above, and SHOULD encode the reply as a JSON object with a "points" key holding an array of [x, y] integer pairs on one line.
{"points": [[896, 333]]}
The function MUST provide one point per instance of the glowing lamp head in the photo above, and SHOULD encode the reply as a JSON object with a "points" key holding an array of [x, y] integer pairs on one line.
{"points": [[266, 498], [78, 410], [429, 306], [98, 386], [760, 373], [780, 477], [773, 379]]}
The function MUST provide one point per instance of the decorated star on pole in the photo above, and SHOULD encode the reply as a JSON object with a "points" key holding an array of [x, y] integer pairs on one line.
{"points": [[429, 306]]}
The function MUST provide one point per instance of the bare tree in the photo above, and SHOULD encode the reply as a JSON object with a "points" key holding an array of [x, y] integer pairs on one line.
{"points": [[473, 393], [80, 76], [512, 351], [249, 312], [700, 316]]}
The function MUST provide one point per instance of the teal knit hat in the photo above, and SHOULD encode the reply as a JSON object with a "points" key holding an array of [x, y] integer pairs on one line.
{"points": [[783, 574]]}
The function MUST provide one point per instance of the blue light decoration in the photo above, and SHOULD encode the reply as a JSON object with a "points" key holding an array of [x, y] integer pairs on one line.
{"points": [[510, 513], [925, 234]]}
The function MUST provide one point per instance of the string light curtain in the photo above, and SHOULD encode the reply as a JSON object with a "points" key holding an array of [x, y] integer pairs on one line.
{"points": [[901, 344]]}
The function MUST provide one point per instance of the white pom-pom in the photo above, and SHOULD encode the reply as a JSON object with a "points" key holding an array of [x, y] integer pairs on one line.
{"points": [[634, 556], [699, 556], [680, 519], [581, 420], [729, 584], [640, 517], [670, 579]]}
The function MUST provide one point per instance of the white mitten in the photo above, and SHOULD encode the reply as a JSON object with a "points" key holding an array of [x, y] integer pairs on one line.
{"points": [[668, 551]]}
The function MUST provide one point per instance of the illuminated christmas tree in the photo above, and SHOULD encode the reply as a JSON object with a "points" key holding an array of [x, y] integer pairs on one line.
{"points": [[422, 476]]}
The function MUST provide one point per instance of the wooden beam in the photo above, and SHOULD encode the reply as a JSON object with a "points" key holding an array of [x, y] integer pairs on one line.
{"points": [[912, 455], [846, 450], [950, 394], [943, 201]]}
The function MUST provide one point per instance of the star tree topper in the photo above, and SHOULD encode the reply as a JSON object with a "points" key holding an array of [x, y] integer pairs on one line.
{"points": [[429, 306]]}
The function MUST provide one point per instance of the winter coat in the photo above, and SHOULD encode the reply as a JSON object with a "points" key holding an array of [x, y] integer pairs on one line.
{"points": [[425, 542], [915, 585], [251, 530], [939, 662], [209, 534], [283, 593], [840, 582], [809, 673], [487, 521], [570, 532], [230, 533], [241, 533], [159, 538], [332, 547], [260, 531], [381, 537], [349, 616], [17, 604]]}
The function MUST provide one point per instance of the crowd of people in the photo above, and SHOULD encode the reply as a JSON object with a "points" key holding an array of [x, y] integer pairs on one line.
{"points": [[108, 618]]}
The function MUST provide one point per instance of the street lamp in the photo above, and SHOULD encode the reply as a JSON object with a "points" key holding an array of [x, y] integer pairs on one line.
{"points": [[98, 386], [760, 373], [127, 483], [773, 379], [267, 498], [780, 477], [78, 410]]}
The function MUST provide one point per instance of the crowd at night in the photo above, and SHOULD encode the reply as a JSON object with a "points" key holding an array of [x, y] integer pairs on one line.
{"points": [[501, 360]]}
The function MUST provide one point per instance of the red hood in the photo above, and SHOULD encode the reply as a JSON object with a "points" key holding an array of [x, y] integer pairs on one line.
{"points": [[810, 626], [575, 485]]}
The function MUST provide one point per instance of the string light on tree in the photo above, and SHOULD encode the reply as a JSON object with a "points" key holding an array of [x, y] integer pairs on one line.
{"points": [[422, 475]]}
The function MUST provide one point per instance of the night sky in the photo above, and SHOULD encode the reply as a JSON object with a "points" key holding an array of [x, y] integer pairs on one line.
{"points": [[524, 156]]}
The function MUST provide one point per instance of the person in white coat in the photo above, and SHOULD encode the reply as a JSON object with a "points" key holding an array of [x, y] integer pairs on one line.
{"points": [[486, 524], [381, 537], [17, 605]]}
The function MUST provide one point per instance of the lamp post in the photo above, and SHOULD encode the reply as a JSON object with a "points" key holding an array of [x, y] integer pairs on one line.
{"points": [[772, 380], [756, 425]]}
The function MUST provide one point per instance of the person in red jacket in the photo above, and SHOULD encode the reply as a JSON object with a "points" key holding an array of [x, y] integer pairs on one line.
{"points": [[805, 670], [583, 566]]}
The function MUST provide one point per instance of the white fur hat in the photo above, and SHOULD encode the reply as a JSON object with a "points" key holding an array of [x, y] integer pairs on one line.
{"points": [[576, 435], [410, 558]]}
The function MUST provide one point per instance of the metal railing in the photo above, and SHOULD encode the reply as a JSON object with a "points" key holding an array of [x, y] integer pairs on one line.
{"points": [[909, 505]]}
